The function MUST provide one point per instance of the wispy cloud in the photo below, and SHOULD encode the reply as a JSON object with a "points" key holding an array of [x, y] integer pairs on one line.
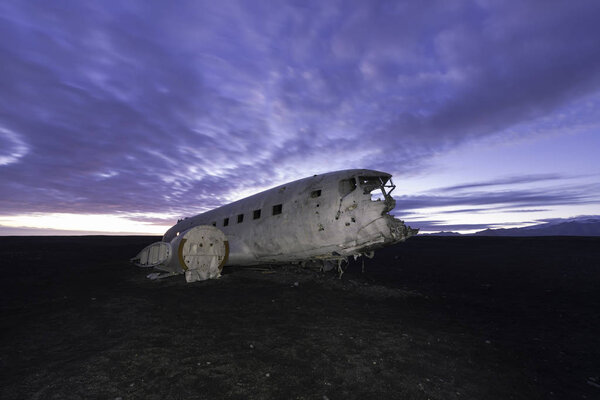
{"points": [[514, 198], [141, 107], [511, 180]]}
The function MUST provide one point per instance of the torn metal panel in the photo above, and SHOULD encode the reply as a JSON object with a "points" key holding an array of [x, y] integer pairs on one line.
{"points": [[154, 255]]}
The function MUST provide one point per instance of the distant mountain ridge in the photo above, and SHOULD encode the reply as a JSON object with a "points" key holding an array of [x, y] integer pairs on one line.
{"points": [[443, 233], [579, 226]]}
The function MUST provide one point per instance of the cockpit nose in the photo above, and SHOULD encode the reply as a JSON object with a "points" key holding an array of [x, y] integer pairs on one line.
{"points": [[390, 203], [380, 188]]}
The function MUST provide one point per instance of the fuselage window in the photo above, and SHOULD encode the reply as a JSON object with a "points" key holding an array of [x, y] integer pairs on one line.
{"points": [[347, 186], [240, 218], [226, 222], [256, 214], [277, 209], [315, 193]]}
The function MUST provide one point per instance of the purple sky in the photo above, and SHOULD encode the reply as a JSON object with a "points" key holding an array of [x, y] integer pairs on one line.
{"points": [[123, 116]]}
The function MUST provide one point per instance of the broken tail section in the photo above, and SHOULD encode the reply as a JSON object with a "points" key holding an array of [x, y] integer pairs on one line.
{"points": [[200, 253]]}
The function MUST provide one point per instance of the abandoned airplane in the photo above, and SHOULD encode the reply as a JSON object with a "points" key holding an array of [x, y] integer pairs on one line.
{"points": [[324, 219]]}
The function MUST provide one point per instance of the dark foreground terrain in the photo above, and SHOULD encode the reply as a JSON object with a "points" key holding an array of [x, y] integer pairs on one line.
{"points": [[434, 318]]}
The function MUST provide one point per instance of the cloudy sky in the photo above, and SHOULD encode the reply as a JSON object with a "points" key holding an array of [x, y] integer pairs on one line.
{"points": [[123, 116]]}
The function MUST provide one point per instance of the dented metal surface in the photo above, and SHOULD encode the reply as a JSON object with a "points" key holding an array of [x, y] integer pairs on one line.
{"points": [[326, 217]]}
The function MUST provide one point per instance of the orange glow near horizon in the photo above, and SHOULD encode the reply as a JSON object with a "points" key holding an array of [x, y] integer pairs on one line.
{"points": [[84, 223]]}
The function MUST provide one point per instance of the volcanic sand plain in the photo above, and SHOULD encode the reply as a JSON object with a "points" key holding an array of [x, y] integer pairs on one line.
{"points": [[432, 318]]}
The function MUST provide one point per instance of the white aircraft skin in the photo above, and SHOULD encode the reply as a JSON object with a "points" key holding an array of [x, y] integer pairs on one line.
{"points": [[327, 217]]}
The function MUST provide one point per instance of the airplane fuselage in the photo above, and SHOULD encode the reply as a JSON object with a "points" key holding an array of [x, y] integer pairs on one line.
{"points": [[324, 217]]}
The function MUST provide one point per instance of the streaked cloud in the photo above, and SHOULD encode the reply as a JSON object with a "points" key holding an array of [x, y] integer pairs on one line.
{"points": [[150, 108], [513, 198], [512, 180], [12, 147]]}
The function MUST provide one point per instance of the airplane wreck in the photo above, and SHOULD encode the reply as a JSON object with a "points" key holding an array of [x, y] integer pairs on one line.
{"points": [[322, 219]]}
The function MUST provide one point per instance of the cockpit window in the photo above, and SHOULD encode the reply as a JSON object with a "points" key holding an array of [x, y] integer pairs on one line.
{"points": [[380, 189], [370, 183], [346, 186]]}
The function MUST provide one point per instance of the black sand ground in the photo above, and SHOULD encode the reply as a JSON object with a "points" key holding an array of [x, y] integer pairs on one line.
{"points": [[434, 318]]}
